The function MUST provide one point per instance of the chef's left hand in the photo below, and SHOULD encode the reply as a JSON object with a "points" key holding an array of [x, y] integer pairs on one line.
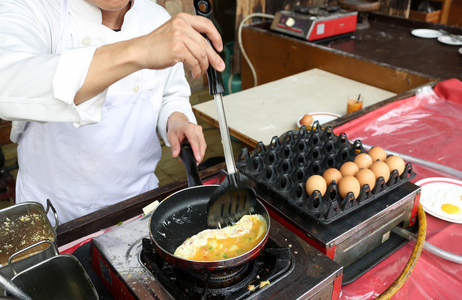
{"points": [[180, 129]]}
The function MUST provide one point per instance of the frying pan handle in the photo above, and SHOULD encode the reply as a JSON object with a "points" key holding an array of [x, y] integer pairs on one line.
{"points": [[187, 157], [204, 8]]}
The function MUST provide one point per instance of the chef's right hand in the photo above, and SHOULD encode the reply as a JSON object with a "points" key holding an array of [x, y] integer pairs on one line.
{"points": [[180, 40]]}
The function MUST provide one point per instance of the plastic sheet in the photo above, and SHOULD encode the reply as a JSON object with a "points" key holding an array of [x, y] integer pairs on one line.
{"points": [[427, 126]]}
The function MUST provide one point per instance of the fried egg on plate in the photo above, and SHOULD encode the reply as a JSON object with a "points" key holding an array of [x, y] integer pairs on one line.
{"points": [[442, 198]]}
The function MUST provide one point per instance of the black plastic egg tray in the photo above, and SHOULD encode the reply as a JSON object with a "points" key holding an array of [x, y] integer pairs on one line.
{"points": [[283, 166]]}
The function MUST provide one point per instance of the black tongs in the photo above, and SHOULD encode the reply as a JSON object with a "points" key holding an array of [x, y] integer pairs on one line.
{"points": [[235, 197]]}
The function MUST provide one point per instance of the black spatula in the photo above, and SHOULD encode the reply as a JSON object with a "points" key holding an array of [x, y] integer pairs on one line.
{"points": [[235, 197]]}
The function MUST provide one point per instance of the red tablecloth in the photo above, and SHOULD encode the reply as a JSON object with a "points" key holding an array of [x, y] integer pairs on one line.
{"points": [[427, 126]]}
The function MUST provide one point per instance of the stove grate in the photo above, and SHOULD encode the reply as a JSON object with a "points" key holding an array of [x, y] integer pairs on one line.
{"points": [[272, 263]]}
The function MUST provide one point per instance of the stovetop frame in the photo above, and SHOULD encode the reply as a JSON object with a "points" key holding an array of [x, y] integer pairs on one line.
{"points": [[115, 258]]}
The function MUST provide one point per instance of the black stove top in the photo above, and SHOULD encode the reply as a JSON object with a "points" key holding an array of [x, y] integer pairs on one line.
{"points": [[272, 263]]}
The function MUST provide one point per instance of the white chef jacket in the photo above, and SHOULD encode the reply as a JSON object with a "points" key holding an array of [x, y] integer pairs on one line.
{"points": [[104, 150]]}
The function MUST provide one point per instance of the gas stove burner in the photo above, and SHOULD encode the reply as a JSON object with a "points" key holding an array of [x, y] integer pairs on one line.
{"points": [[221, 279], [271, 264], [316, 10], [312, 11], [125, 262]]}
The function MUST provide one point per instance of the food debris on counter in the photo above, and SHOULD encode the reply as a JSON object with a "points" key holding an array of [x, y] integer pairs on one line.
{"points": [[252, 288]]}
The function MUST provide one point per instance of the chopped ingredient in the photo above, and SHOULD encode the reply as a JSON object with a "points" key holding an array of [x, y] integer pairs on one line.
{"points": [[22, 230]]}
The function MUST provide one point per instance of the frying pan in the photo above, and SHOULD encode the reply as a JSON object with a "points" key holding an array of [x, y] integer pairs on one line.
{"points": [[184, 214]]}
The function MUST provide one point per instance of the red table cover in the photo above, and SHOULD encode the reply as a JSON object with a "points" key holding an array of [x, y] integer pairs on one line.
{"points": [[427, 126]]}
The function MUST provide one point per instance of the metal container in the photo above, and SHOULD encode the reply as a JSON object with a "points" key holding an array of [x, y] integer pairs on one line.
{"points": [[23, 225], [25, 237], [18, 265], [61, 277]]}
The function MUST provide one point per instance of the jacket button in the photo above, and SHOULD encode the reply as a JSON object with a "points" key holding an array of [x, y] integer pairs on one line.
{"points": [[86, 42]]}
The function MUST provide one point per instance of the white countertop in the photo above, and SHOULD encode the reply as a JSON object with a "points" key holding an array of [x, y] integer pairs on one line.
{"points": [[271, 109]]}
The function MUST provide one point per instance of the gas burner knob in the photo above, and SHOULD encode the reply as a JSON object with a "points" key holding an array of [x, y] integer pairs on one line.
{"points": [[290, 22]]}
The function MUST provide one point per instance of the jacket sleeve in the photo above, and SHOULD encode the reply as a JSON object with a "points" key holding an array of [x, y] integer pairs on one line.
{"points": [[175, 99], [37, 84]]}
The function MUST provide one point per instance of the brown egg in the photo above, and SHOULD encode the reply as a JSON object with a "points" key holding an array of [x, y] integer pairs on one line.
{"points": [[395, 162], [365, 176], [380, 169], [306, 120], [332, 174], [363, 160], [348, 184], [349, 168], [377, 153], [316, 182]]}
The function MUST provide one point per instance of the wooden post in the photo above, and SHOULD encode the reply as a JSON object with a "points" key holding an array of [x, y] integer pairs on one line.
{"points": [[396, 7], [5, 130]]}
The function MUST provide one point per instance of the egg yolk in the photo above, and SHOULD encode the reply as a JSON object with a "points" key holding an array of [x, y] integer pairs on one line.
{"points": [[450, 209]]}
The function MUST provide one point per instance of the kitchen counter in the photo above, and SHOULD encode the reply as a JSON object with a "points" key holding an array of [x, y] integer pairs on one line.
{"points": [[260, 113], [389, 41], [386, 55]]}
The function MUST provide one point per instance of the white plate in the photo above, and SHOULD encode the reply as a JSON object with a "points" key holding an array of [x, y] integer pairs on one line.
{"points": [[426, 33], [448, 40], [322, 117], [437, 191]]}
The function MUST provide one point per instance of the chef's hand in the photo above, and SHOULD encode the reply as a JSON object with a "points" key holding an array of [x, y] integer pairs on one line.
{"points": [[178, 40], [180, 129]]}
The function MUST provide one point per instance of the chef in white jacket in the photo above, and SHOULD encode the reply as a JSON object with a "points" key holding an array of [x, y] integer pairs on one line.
{"points": [[88, 85]]}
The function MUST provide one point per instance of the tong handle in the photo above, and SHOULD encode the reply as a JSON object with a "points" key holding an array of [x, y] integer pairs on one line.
{"points": [[204, 8]]}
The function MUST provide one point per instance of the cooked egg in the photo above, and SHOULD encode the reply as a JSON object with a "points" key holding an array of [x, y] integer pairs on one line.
{"points": [[442, 199], [395, 162], [380, 169], [450, 209], [348, 184], [332, 174], [363, 160], [315, 183], [444, 203], [306, 120], [377, 153], [349, 168], [366, 176], [224, 243]]}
